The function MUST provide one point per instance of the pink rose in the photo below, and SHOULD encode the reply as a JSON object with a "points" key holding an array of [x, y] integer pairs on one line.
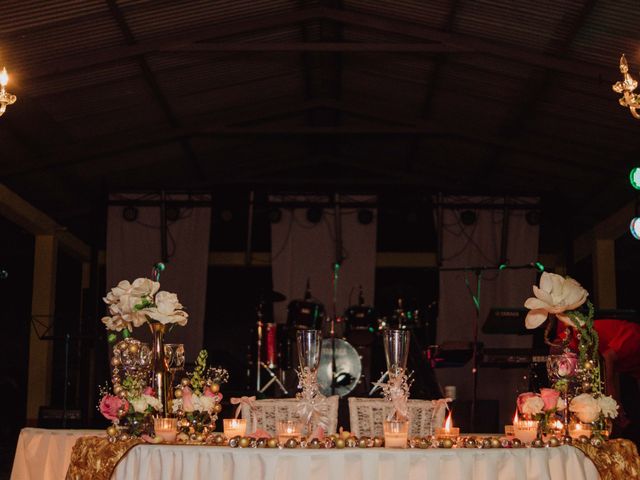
{"points": [[567, 364], [149, 391], [522, 398], [187, 401], [209, 393], [550, 398], [110, 404]]}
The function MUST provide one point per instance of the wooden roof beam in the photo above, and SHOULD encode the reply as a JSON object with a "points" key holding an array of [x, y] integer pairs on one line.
{"points": [[17, 210]]}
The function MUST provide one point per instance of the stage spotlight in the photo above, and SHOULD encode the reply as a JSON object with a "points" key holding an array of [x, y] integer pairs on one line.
{"points": [[634, 178], [468, 217], [172, 213], [634, 226], [365, 216], [314, 214], [275, 215], [130, 213], [532, 217]]}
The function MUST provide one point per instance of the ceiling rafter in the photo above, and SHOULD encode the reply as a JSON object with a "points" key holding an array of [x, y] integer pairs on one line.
{"points": [[155, 89]]}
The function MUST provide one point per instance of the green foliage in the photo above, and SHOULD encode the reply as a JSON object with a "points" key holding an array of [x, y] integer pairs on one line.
{"points": [[198, 377]]}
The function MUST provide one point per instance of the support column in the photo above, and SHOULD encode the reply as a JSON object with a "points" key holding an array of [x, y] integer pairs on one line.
{"points": [[604, 272], [42, 311]]}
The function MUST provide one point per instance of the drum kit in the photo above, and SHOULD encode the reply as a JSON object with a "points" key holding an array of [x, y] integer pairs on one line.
{"points": [[348, 346]]}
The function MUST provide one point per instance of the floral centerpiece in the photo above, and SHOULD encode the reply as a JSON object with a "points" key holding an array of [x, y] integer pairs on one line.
{"points": [[132, 402], [198, 397], [141, 302], [576, 376]]}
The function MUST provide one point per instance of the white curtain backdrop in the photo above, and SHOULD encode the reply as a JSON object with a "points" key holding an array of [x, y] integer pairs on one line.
{"points": [[480, 245], [134, 247], [302, 250]]}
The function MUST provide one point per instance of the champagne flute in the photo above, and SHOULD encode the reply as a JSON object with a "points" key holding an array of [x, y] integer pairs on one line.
{"points": [[396, 350]]}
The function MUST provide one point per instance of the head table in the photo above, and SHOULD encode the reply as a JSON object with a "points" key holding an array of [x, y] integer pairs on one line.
{"points": [[45, 454]]}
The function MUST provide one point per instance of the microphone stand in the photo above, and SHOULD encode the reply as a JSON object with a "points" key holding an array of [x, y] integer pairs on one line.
{"points": [[336, 270], [475, 297]]}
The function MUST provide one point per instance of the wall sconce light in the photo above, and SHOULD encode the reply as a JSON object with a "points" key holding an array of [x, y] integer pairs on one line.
{"points": [[5, 97]]}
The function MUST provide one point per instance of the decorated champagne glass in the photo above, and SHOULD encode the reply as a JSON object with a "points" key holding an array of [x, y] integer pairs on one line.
{"points": [[396, 350]]}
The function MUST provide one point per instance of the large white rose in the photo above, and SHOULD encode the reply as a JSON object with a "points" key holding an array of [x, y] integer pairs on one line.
{"points": [[206, 403], [167, 309], [533, 405], [143, 287], [556, 295], [608, 406], [585, 407], [139, 404], [153, 402]]}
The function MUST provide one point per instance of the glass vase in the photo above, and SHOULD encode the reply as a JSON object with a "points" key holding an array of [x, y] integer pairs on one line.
{"points": [[159, 379]]}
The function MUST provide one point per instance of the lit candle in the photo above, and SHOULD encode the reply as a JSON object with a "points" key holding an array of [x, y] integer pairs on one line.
{"points": [[286, 429], [576, 430], [234, 427], [508, 429], [525, 430], [448, 431], [166, 428], [4, 78], [395, 433]]}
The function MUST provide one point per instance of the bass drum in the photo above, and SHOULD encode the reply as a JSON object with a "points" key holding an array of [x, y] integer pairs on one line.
{"points": [[348, 367]]}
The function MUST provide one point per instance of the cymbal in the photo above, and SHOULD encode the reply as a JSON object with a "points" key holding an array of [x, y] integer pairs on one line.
{"points": [[272, 297]]}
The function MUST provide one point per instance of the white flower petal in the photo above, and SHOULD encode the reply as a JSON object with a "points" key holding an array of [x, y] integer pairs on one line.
{"points": [[533, 303], [535, 318], [546, 282]]}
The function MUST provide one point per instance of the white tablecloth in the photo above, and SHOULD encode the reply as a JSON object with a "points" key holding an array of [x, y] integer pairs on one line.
{"points": [[44, 454], [164, 462]]}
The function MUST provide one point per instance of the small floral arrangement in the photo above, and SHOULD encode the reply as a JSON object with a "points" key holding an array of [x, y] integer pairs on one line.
{"points": [[134, 304], [197, 398], [541, 406], [131, 406]]}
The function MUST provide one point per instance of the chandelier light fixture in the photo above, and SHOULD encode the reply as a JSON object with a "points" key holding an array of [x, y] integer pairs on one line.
{"points": [[5, 97], [626, 87]]}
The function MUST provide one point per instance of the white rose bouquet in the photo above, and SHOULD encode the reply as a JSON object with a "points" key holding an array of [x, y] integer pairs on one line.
{"points": [[588, 408], [133, 304]]}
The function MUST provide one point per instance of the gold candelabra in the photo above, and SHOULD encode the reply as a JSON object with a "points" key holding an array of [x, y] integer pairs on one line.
{"points": [[626, 87], [5, 97]]}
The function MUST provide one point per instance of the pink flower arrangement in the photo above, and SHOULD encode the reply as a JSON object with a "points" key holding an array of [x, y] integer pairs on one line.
{"points": [[110, 404], [567, 364]]}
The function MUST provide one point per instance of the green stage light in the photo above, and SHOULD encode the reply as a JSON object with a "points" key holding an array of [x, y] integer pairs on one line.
{"points": [[634, 178], [539, 266], [634, 226]]}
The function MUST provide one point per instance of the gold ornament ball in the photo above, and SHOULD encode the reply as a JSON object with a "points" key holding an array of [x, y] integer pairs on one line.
{"points": [[117, 389], [314, 443], [217, 408], [486, 443], [185, 382], [362, 442], [123, 437], [447, 443], [589, 365], [583, 439], [537, 443], [115, 361], [291, 443], [122, 394], [424, 442], [378, 442], [517, 443], [245, 442], [215, 388], [234, 442], [261, 443], [495, 443], [178, 393], [121, 412], [112, 431], [470, 443], [567, 440], [586, 386], [134, 348], [596, 442], [554, 442], [340, 443], [272, 443]]}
